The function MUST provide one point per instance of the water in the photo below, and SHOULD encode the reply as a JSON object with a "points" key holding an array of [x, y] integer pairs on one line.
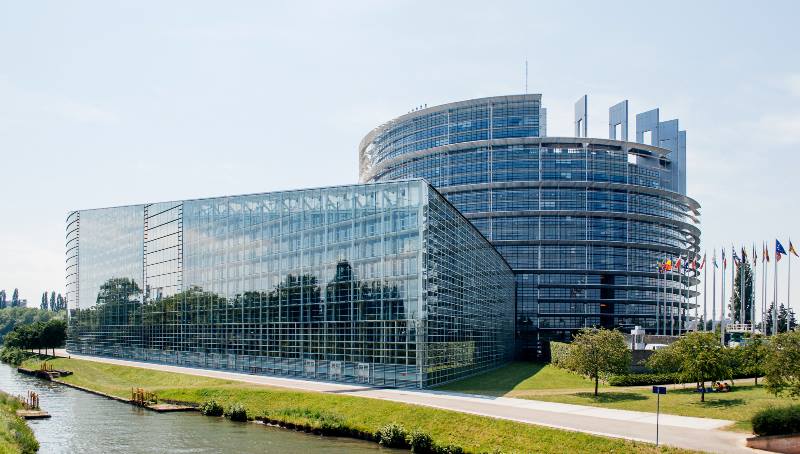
{"points": [[85, 423]]}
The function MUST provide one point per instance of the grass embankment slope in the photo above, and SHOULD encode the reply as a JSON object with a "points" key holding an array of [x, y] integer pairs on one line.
{"points": [[473, 433], [15, 435], [551, 384]]}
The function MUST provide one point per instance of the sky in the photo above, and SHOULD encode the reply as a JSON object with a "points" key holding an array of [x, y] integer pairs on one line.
{"points": [[111, 103]]}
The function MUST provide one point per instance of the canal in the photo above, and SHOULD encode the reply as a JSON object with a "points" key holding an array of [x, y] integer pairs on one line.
{"points": [[85, 423]]}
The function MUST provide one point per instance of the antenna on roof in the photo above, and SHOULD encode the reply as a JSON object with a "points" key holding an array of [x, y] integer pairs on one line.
{"points": [[526, 76]]}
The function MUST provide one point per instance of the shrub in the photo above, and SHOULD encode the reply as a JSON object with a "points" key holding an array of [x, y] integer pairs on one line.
{"points": [[392, 435], [664, 361], [421, 442], [449, 449], [559, 352], [237, 412], [328, 423], [14, 356], [777, 421], [211, 408]]}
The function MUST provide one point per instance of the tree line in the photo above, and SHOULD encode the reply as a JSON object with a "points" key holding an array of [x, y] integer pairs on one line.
{"points": [[697, 357], [55, 303], [38, 335], [15, 301]]}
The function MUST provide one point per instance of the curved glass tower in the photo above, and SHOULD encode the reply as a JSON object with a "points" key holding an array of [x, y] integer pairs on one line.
{"points": [[583, 222]]}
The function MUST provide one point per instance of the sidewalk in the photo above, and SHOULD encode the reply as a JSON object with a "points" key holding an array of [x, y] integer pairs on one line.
{"points": [[700, 434]]}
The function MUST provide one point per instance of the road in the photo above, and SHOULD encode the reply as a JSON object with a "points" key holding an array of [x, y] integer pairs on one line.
{"points": [[701, 434]]}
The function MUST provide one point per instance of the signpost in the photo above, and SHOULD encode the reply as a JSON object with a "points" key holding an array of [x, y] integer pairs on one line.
{"points": [[658, 391]]}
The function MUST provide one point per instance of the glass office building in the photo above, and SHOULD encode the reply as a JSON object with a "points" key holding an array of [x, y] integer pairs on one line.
{"points": [[382, 284], [582, 222]]}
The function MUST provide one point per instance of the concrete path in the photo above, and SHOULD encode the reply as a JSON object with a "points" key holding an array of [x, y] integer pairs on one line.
{"points": [[701, 434]]}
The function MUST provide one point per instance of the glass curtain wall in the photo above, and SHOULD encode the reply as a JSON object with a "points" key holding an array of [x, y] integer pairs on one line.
{"points": [[332, 284]]}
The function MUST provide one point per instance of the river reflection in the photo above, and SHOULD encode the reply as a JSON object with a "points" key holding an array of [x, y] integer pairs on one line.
{"points": [[85, 423]]}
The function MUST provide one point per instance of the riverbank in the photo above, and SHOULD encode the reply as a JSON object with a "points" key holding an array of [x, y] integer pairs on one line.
{"points": [[15, 435], [302, 408]]}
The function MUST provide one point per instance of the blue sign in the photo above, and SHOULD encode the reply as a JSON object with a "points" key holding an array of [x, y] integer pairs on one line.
{"points": [[659, 389]]}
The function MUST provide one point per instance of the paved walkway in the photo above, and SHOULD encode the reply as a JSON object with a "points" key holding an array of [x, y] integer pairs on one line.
{"points": [[700, 434]]}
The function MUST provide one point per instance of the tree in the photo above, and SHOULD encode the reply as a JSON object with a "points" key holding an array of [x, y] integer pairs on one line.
{"points": [[753, 356], [53, 301], [782, 365], [749, 295], [2, 299], [43, 304], [783, 315], [53, 334], [15, 298], [60, 303], [701, 359], [664, 361], [598, 352]]}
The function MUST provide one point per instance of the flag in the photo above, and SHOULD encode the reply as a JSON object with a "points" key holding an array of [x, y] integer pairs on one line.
{"points": [[744, 254], [755, 255], [703, 263], [735, 257], [668, 265], [693, 266], [714, 260], [678, 264], [792, 250], [766, 253], [779, 250], [724, 262]]}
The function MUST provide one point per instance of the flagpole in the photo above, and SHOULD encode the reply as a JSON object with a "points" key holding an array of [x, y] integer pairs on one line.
{"points": [[714, 293], [753, 293], [764, 289], [658, 292], [705, 292], [733, 283], [789, 285], [696, 306], [722, 302], [775, 295], [665, 302], [742, 303]]}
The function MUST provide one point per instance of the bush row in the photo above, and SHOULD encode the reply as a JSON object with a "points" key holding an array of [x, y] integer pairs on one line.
{"points": [[777, 421], [322, 423], [643, 379], [657, 379], [14, 356]]}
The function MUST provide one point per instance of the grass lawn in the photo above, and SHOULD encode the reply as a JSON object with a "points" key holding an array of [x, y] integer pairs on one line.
{"points": [[15, 435], [548, 383], [520, 379], [473, 433]]}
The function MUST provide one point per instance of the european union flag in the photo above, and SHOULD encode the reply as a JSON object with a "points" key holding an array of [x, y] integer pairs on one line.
{"points": [[779, 250]]}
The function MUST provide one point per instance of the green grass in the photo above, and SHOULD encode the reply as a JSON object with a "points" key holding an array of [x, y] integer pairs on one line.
{"points": [[474, 433], [517, 378], [548, 383], [15, 435], [739, 405]]}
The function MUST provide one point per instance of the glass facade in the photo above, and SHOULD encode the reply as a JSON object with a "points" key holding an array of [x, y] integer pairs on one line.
{"points": [[581, 221], [382, 284]]}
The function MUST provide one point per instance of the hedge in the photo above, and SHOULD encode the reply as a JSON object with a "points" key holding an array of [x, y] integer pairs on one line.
{"points": [[643, 379], [658, 379], [559, 351], [777, 421]]}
